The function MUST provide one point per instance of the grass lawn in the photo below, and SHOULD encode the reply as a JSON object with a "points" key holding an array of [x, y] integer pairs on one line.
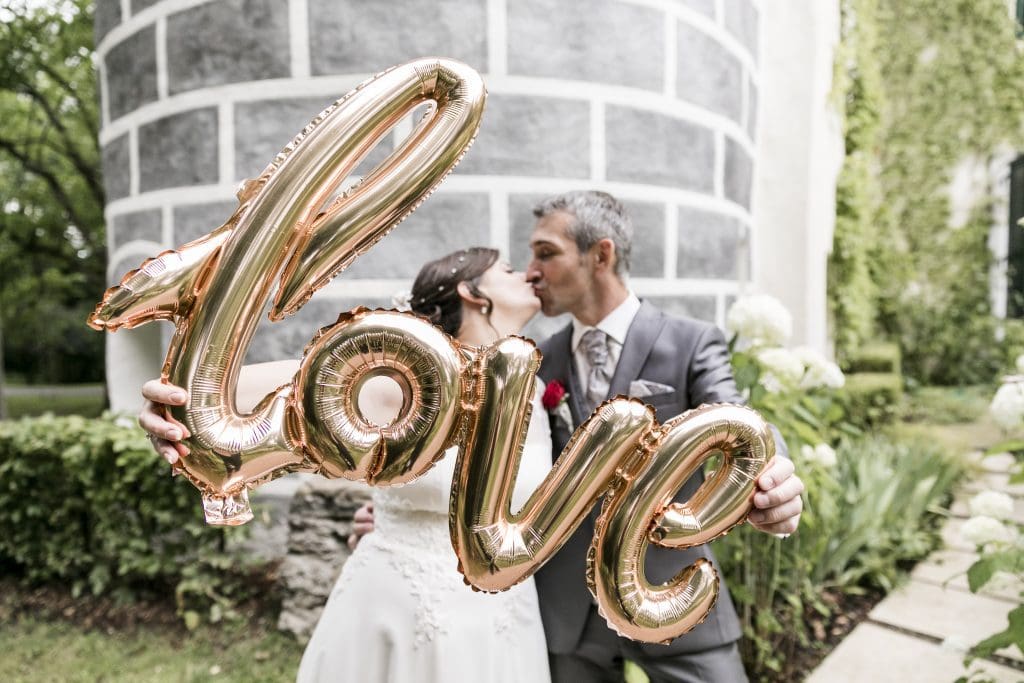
{"points": [[36, 650], [956, 417]]}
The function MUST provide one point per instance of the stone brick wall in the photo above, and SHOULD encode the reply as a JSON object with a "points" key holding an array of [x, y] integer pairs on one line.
{"points": [[652, 100]]}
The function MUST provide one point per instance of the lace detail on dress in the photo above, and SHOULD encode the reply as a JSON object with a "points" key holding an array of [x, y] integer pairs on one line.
{"points": [[411, 533]]}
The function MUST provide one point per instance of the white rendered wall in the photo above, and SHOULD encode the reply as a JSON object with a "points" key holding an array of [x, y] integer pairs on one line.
{"points": [[800, 154]]}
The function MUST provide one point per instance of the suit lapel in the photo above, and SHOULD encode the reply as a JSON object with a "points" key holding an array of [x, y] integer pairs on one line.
{"points": [[639, 340], [559, 366]]}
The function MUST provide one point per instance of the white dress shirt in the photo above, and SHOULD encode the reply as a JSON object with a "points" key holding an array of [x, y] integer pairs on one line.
{"points": [[616, 325]]}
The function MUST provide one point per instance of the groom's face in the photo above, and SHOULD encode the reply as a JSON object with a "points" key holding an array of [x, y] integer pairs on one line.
{"points": [[558, 271]]}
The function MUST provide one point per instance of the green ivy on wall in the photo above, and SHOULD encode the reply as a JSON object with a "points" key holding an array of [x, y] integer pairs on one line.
{"points": [[925, 86], [853, 294]]}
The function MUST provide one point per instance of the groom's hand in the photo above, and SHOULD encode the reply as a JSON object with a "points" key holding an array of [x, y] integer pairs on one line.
{"points": [[777, 502], [362, 524], [165, 433]]}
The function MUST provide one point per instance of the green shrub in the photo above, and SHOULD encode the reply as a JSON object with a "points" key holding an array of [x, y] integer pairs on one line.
{"points": [[1013, 342], [86, 503], [872, 399], [877, 357]]}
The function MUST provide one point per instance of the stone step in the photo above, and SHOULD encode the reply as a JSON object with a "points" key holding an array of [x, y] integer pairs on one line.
{"points": [[997, 462], [949, 568], [942, 613], [994, 481], [953, 538], [875, 654]]}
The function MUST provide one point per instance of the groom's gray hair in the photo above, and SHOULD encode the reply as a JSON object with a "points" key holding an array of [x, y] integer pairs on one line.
{"points": [[598, 216]]}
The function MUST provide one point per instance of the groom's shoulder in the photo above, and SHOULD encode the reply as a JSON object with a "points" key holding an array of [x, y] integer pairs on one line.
{"points": [[676, 324]]}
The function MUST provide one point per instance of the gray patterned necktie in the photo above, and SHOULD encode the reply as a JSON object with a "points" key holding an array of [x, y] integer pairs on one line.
{"points": [[595, 345]]}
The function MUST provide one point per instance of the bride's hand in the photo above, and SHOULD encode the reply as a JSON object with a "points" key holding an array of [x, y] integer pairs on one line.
{"points": [[165, 433]]}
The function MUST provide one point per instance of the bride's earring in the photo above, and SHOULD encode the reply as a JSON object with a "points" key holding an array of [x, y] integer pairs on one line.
{"points": [[484, 309]]}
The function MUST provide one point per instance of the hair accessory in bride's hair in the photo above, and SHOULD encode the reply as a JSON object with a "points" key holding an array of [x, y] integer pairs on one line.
{"points": [[402, 300]]}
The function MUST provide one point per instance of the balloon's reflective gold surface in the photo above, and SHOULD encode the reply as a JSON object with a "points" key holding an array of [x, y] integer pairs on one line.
{"points": [[215, 288]]}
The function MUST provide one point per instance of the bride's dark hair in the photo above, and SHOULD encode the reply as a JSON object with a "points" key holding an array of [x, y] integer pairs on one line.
{"points": [[434, 293]]}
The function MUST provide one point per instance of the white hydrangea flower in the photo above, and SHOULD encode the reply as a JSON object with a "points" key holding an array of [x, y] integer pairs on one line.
{"points": [[1020, 363], [820, 372], [982, 530], [1007, 407], [823, 454], [994, 504], [826, 455], [760, 320], [781, 370]]}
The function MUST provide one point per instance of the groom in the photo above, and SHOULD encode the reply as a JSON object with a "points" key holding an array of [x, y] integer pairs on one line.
{"points": [[617, 344]]}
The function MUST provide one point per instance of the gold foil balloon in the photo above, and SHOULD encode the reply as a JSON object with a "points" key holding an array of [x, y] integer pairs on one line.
{"points": [[422, 360], [497, 549], [623, 454], [640, 513], [214, 288]]}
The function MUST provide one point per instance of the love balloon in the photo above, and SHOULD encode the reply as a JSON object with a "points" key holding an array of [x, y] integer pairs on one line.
{"points": [[286, 227]]}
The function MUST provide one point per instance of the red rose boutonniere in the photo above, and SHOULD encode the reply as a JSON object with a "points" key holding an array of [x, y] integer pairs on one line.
{"points": [[554, 393], [554, 401]]}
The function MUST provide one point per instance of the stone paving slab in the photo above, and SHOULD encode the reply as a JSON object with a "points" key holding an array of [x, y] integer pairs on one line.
{"points": [[875, 654], [994, 481], [997, 462], [953, 538], [949, 568], [941, 613]]}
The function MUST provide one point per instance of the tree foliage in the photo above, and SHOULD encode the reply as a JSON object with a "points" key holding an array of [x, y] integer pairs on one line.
{"points": [[52, 252]]}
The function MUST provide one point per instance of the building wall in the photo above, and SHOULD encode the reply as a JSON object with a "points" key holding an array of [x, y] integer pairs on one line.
{"points": [[652, 100], [800, 154]]}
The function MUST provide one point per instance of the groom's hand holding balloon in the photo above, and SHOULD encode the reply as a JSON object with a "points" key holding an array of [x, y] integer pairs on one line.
{"points": [[777, 501]]}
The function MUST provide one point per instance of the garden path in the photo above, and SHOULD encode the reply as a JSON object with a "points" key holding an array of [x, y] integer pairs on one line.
{"points": [[901, 640]]}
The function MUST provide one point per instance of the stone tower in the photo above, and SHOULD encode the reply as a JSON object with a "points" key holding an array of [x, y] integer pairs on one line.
{"points": [[651, 100]]}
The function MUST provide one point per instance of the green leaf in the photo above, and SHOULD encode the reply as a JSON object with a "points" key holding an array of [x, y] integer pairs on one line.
{"points": [[1009, 446], [192, 620], [980, 573]]}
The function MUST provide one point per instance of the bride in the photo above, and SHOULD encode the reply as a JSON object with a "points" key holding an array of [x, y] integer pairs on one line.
{"points": [[400, 611]]}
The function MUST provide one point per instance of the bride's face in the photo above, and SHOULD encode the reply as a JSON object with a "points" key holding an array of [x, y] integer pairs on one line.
{"points": [[510, 293]]}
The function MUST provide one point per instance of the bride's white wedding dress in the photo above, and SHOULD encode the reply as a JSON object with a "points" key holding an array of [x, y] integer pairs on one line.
{"points": [[400, 611]]}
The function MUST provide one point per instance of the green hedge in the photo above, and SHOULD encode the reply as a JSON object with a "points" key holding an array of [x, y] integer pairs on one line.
{"points": [[872, 399], [877, 357], [86, 503]]}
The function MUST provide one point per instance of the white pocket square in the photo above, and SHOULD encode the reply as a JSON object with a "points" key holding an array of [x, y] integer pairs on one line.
{"points": [[640, 388], [563, 415]]}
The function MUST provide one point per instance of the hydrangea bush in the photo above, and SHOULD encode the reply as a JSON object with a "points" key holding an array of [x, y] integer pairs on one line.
{"points": [[794, 389], [865, 504]]}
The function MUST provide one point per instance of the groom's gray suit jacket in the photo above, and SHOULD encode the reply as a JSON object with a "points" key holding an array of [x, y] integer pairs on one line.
{"points": [[692, 357]]}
